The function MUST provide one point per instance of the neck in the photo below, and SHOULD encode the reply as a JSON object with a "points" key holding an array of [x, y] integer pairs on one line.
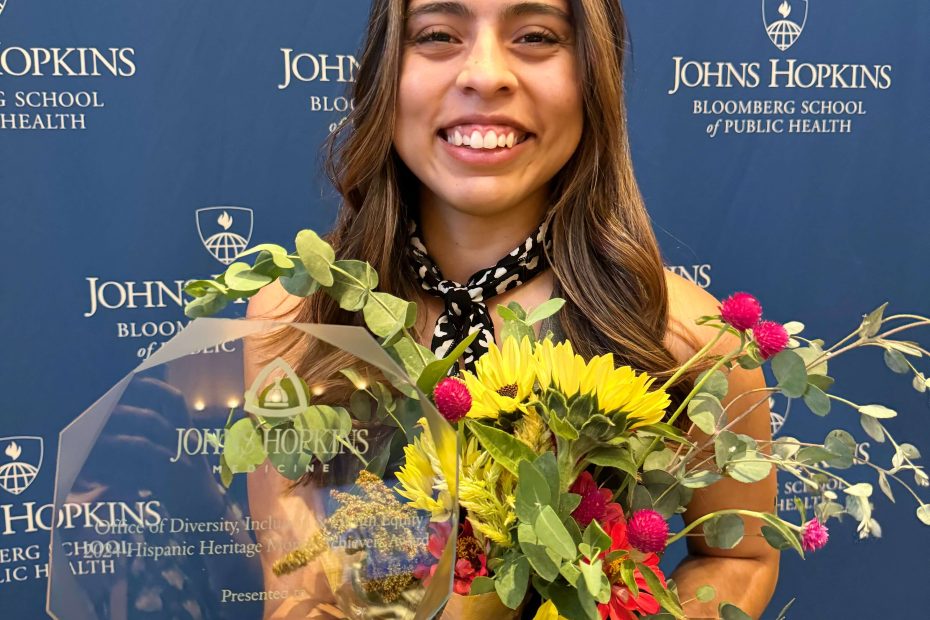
{"points": [[463, 243]]}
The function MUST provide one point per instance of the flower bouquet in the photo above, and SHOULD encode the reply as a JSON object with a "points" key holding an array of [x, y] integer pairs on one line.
{"points": [[568, 469]]}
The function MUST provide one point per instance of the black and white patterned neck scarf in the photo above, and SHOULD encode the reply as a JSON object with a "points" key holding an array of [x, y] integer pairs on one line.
{"points": [[465, 310]]}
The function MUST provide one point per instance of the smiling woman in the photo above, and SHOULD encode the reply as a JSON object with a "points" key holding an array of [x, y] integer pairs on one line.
{"points": [[487, 158]]}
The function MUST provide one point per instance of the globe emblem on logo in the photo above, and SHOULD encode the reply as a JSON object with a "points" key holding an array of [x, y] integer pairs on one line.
{"points": [[777, 419], [224, 231], [784, 29], [2, 4], [19, 470]]}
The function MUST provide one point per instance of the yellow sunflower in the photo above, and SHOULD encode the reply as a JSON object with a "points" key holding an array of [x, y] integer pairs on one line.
{"points": [[617, 389], [503, 379], [420, 478]]}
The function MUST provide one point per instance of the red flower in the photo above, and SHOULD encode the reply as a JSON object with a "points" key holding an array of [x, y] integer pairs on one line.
{"points": [[741, 310], [770, 338], [471, 557], [595, 502], [648, 531], [623, 605], [452, 398]]}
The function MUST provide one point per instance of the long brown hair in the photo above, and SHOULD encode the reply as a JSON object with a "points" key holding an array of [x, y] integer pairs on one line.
{"points": [[604, 256]]}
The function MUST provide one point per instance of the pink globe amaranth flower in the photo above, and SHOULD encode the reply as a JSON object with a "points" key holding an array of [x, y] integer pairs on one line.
{"points": [[452, 398], [770, 337], [647, 531], [741, 310], [814, 535]]}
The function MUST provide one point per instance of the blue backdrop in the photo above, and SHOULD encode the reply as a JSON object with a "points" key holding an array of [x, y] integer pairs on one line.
{"points": [[781, 154]]}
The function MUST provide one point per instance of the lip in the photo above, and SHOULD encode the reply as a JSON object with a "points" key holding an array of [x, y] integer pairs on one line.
{"points": [[486, 119], [484, 157]]}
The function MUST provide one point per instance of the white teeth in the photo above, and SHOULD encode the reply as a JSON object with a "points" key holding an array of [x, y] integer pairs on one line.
{"points": [[490, 140]]}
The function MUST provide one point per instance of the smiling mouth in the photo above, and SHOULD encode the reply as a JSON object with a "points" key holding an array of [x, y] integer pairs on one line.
{"points": [[474, 138]]}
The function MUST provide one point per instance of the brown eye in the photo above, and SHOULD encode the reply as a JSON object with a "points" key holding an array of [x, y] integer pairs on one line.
{"points": [[540, 38], [434, 36]]}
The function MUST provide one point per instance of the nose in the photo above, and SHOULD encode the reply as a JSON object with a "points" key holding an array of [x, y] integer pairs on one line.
{"points": [[486, 69]]}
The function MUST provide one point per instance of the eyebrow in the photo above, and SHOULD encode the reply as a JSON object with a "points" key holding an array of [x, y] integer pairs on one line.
{"points": [[517, 9]]}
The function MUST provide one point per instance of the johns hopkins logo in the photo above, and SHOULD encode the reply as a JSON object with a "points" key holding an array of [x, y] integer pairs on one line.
{"points": [[784, 21], [21, 461], [778, 419], [224, 231]]}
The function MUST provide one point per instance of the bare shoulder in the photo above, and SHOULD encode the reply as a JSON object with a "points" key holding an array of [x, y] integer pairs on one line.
{"points": [[688, 302]]}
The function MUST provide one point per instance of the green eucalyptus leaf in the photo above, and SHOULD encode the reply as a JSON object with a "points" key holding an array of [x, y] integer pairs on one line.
{"points": [[481, 585], [549, 468], [843, 447], [243, 447], [816, 400], [207, 305], [593, 575], [532, 492], [352, 288], [412, 355], [861, 489], [199, 288], [873, 427], [300, 282], [749, 469], [877, 411], [385, 314], [316, 255], [717, 384], [729, 611], [701, 479], [821, 381], [240, 277], [706, 411], [896, 361], [511, 581], [549, 528], [595, 537], [724, 531], [729, 446], [705, 593], [923, 513], [812, 353], [788, 367], [659, 459], [872, 322]]}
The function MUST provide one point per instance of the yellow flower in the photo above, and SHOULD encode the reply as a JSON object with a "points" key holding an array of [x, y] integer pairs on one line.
{"points": [[617, 389], [420, 478], [628, 392], [503, 379]]}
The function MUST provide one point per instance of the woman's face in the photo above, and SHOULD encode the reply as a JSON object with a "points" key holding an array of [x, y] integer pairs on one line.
{"points": [[489, 105]]}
